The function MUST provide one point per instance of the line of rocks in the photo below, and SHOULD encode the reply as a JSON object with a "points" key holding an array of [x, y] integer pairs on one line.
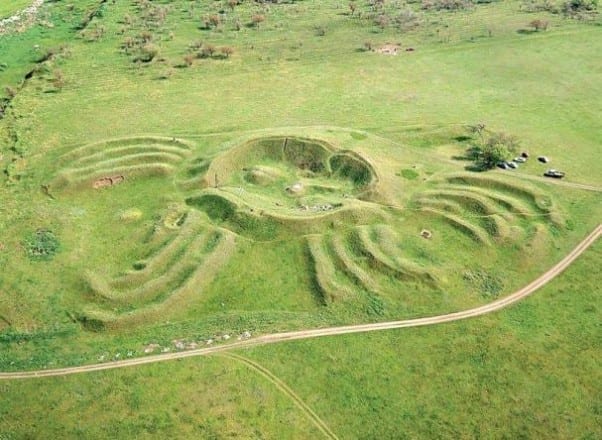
{"points": [[24, 16]]}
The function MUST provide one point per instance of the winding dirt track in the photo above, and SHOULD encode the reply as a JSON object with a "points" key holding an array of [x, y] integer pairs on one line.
{"points": [[285, 389], [314, 333]]}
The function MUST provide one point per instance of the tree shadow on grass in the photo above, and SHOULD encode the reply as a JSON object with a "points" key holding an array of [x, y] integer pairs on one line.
{"points": [[471, 154]]}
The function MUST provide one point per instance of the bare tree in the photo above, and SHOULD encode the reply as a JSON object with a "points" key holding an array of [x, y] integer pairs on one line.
{"points": [[11, 92], [539, 25], [188, 60], [382, 21], [207, 51], [352, 8], [226, 51], [257, 19], [58, 81]]}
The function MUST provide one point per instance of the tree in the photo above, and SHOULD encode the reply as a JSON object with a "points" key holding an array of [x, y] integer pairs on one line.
{"points": [[59, 79], [146, 36], [580, 5], [382, 21], [148, 52], [226, 51], [580, 9], [478, 129], [539, 25], [214, 20], [352, 8], [211, 21], [188, 60], [498, 148], [207, 51], [10, 92], [257, 19]]}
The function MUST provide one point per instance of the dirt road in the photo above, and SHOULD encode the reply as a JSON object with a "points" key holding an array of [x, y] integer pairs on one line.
{"points": [[314, 333], [285, 389]]}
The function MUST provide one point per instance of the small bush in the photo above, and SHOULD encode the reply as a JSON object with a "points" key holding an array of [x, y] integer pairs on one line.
{"points": [[217, 208], [580, 9], [539, 6], [210, 21], [11, 92], [447, 5], [489, 285], [349, 167], [147, 53], [382, 21], [409, 174], [41, 245], [573, 6], [375, 306], [226, 51], [539, 25], [188, 60], [207, 51], [352, 8], [257, 19]]}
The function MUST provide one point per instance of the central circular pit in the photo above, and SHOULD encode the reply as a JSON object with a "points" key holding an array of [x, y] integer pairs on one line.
{"points": [[283, 179]]}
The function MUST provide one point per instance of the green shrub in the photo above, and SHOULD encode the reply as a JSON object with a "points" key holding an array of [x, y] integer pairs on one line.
{"points": [[349, 167], [41, 245], [217, 208], [409, 174], [489, 285]]}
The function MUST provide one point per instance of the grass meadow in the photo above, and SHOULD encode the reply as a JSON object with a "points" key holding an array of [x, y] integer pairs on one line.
{"points": [[153, 141], [529, 371]]}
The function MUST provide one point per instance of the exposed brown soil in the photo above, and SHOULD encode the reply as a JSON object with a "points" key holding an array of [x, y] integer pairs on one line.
{"points": [[107, 181], [388, 49]]}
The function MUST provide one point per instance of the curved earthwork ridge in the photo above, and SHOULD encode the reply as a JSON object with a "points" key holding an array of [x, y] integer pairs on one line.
{"points": [[314, 333]]}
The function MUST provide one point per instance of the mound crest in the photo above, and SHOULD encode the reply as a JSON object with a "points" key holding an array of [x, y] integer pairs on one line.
{"points": [[109, 163], [488, 209], [169, 279]]}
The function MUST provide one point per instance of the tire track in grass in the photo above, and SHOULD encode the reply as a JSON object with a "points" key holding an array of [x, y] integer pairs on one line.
{"points": [[330, 331], [285, 389]]}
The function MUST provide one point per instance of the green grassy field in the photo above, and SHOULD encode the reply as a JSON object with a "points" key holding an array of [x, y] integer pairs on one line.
{"points": [[526, 372], [10, 7], [283, 183]]}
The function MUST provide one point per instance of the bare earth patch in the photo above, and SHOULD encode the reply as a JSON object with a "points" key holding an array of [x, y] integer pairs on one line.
{"points": [[107, 181]]}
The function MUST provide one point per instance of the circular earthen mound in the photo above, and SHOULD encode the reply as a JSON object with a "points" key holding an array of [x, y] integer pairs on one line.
{"points": [[278, 185]]}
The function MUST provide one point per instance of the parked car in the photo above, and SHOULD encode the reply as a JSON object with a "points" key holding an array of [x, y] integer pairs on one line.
{"points": [[554, 173], [543, 159], [519, 159], [503, 165], [512, 165]]}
